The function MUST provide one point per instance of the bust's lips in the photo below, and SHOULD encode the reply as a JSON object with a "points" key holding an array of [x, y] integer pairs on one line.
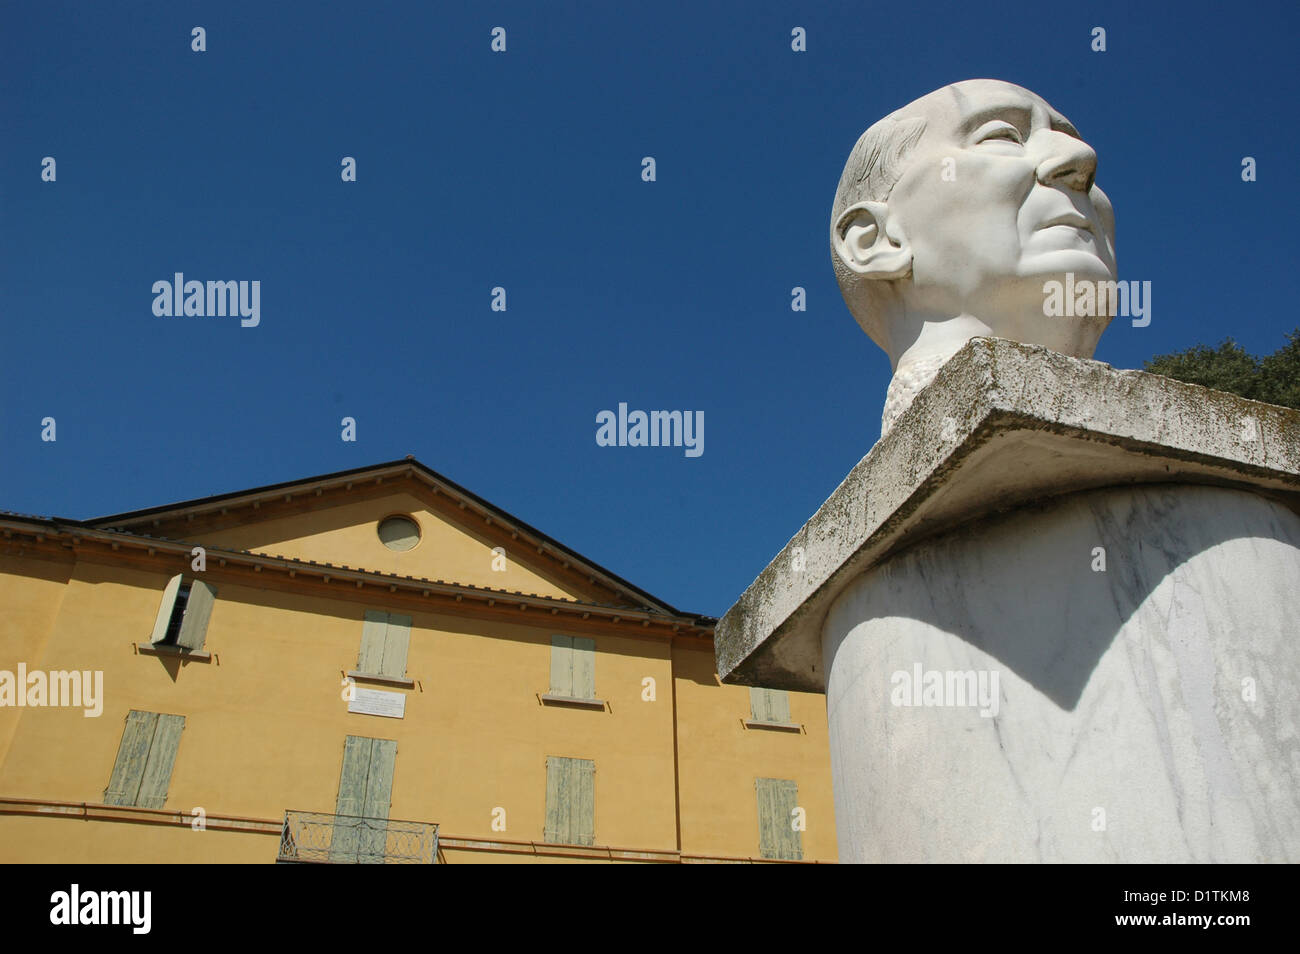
{"points": [[1070, 219]]}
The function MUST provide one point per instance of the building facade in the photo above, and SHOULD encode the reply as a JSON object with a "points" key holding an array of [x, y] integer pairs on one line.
{"points": [[375, 666]]}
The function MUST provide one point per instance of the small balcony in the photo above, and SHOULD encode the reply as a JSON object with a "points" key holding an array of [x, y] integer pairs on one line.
{"points": [[318, 838]]}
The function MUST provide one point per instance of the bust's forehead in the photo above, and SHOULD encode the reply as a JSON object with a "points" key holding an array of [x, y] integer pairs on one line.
{"points": [[959, 102]]}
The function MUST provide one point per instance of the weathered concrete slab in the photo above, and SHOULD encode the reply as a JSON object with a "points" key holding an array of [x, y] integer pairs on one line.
{"points": [[1018, 423]]}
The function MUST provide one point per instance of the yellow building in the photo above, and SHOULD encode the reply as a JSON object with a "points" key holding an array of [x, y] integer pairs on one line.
{"points": [[374, 665]]}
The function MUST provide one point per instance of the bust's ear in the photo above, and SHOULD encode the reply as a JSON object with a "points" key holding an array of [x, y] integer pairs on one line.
{"points": [[869, 244]]}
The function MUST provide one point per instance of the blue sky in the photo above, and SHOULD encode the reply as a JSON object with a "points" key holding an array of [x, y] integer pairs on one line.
{"points": [[522, 170]]}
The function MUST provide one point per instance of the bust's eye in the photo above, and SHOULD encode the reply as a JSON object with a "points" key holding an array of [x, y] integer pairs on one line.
{"points": [[999, 131]]}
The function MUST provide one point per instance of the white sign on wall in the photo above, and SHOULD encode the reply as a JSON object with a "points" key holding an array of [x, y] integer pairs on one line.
{"points": [[380, 703]]}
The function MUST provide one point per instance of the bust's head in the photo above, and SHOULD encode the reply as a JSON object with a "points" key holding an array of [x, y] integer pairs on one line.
{"points": [[953, 212]]}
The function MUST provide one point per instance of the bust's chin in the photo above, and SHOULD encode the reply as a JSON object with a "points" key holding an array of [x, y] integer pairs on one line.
{"points": [[1055, 264]]}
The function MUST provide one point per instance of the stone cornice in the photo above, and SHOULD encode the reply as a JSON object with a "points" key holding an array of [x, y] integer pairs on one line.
{"points": [[1002, 425]]}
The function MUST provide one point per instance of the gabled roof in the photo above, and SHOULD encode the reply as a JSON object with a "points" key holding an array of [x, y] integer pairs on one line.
{"points": [[408, 467]]}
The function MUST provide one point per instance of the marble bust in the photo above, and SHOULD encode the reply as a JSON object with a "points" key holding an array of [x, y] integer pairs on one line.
{"points": [[951, 215]]}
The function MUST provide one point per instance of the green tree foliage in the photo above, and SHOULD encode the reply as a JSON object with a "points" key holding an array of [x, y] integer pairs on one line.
{"points": [[1279, 374], [1274, 379]]}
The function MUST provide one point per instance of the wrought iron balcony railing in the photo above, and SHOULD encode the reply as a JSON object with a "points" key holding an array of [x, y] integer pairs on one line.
{"points": [[315, 837]]}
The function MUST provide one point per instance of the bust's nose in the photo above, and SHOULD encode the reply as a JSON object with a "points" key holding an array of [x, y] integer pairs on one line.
{"points": [[1070, 163]]}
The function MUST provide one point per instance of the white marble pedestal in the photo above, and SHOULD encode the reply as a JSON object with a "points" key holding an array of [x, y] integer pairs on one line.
{"points": [[1147, 712], [1056, 614]]}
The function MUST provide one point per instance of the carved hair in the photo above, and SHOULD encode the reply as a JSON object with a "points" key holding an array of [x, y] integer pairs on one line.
{"points": [[876, 163]]}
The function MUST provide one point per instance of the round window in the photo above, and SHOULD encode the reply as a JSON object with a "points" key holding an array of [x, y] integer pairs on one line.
{"points": [[399, 533]]}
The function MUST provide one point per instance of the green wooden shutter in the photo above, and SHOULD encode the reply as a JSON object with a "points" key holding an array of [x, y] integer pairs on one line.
{"points": [[769, 705], [352, 799], [385, 641], [397, 640], [198, 609], [374, 633], [164, 616], [557, 803], [132, 753], [582, 772], [584, 668], [379, 796], [570, 801], [561, 665], [157, 774], [365, 792], [145, 757], [777, 799], [352, 779]]}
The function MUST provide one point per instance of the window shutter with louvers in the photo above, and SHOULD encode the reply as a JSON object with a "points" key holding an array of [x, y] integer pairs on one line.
{"points": [[194, 627], [164, 616], [777, 838]]}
